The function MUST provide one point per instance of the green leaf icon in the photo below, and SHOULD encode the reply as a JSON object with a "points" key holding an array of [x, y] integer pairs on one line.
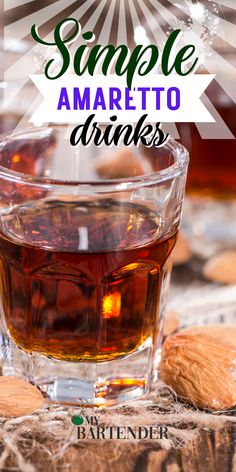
{"points": [[77, 420]]}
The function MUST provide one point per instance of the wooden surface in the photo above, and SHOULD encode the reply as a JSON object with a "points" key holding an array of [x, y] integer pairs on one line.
{"points": [[211, 452]]}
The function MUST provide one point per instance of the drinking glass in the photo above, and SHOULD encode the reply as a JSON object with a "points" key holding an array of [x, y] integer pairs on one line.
{"points": [[85, 260]]}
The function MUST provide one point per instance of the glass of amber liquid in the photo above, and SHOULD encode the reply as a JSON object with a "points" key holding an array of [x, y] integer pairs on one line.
{"points": [[85, 260]]}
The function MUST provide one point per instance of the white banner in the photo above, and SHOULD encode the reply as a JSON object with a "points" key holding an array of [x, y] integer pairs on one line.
{"points": [[71, 99]]}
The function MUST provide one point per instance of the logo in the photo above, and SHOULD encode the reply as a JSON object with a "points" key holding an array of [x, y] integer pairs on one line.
{"points": [[92, 427], [108, 84]]}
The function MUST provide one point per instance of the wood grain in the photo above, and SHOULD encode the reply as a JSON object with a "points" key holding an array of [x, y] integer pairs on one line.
{"points": [[210, 451]]}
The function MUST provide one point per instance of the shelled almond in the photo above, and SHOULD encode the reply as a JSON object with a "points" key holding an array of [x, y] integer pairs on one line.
{"points": [[222, 332], [18, 397], [196, 366], [221, 267]]}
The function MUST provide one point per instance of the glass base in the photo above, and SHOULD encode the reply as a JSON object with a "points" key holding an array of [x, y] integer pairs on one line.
{"points": [[84, 384]]}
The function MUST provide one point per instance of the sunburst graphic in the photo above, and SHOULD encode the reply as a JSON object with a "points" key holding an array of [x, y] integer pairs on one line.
{"points": [[210, 25]]}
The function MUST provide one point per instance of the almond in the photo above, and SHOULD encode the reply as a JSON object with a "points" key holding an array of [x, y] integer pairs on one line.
{"points": [[221, 268], [222, 352], [182, 251], [171, 323], [224, 333], [195, 374], [18, 397], [121, 164]]}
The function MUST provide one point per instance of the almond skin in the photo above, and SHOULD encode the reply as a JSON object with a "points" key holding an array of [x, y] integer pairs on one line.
{"points": [[223, 353], [195, 374], [222, 332], [221, 268], [18, 397]]}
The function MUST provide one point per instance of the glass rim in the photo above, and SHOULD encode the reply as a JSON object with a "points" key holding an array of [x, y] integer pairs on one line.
{"points": [[179, 152]]}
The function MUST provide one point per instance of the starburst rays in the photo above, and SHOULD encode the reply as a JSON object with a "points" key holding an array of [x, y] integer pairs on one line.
{"points": [[115, 21]]}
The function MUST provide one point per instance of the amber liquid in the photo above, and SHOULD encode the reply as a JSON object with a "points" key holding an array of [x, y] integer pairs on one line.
{"points": [[82, 282]]}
